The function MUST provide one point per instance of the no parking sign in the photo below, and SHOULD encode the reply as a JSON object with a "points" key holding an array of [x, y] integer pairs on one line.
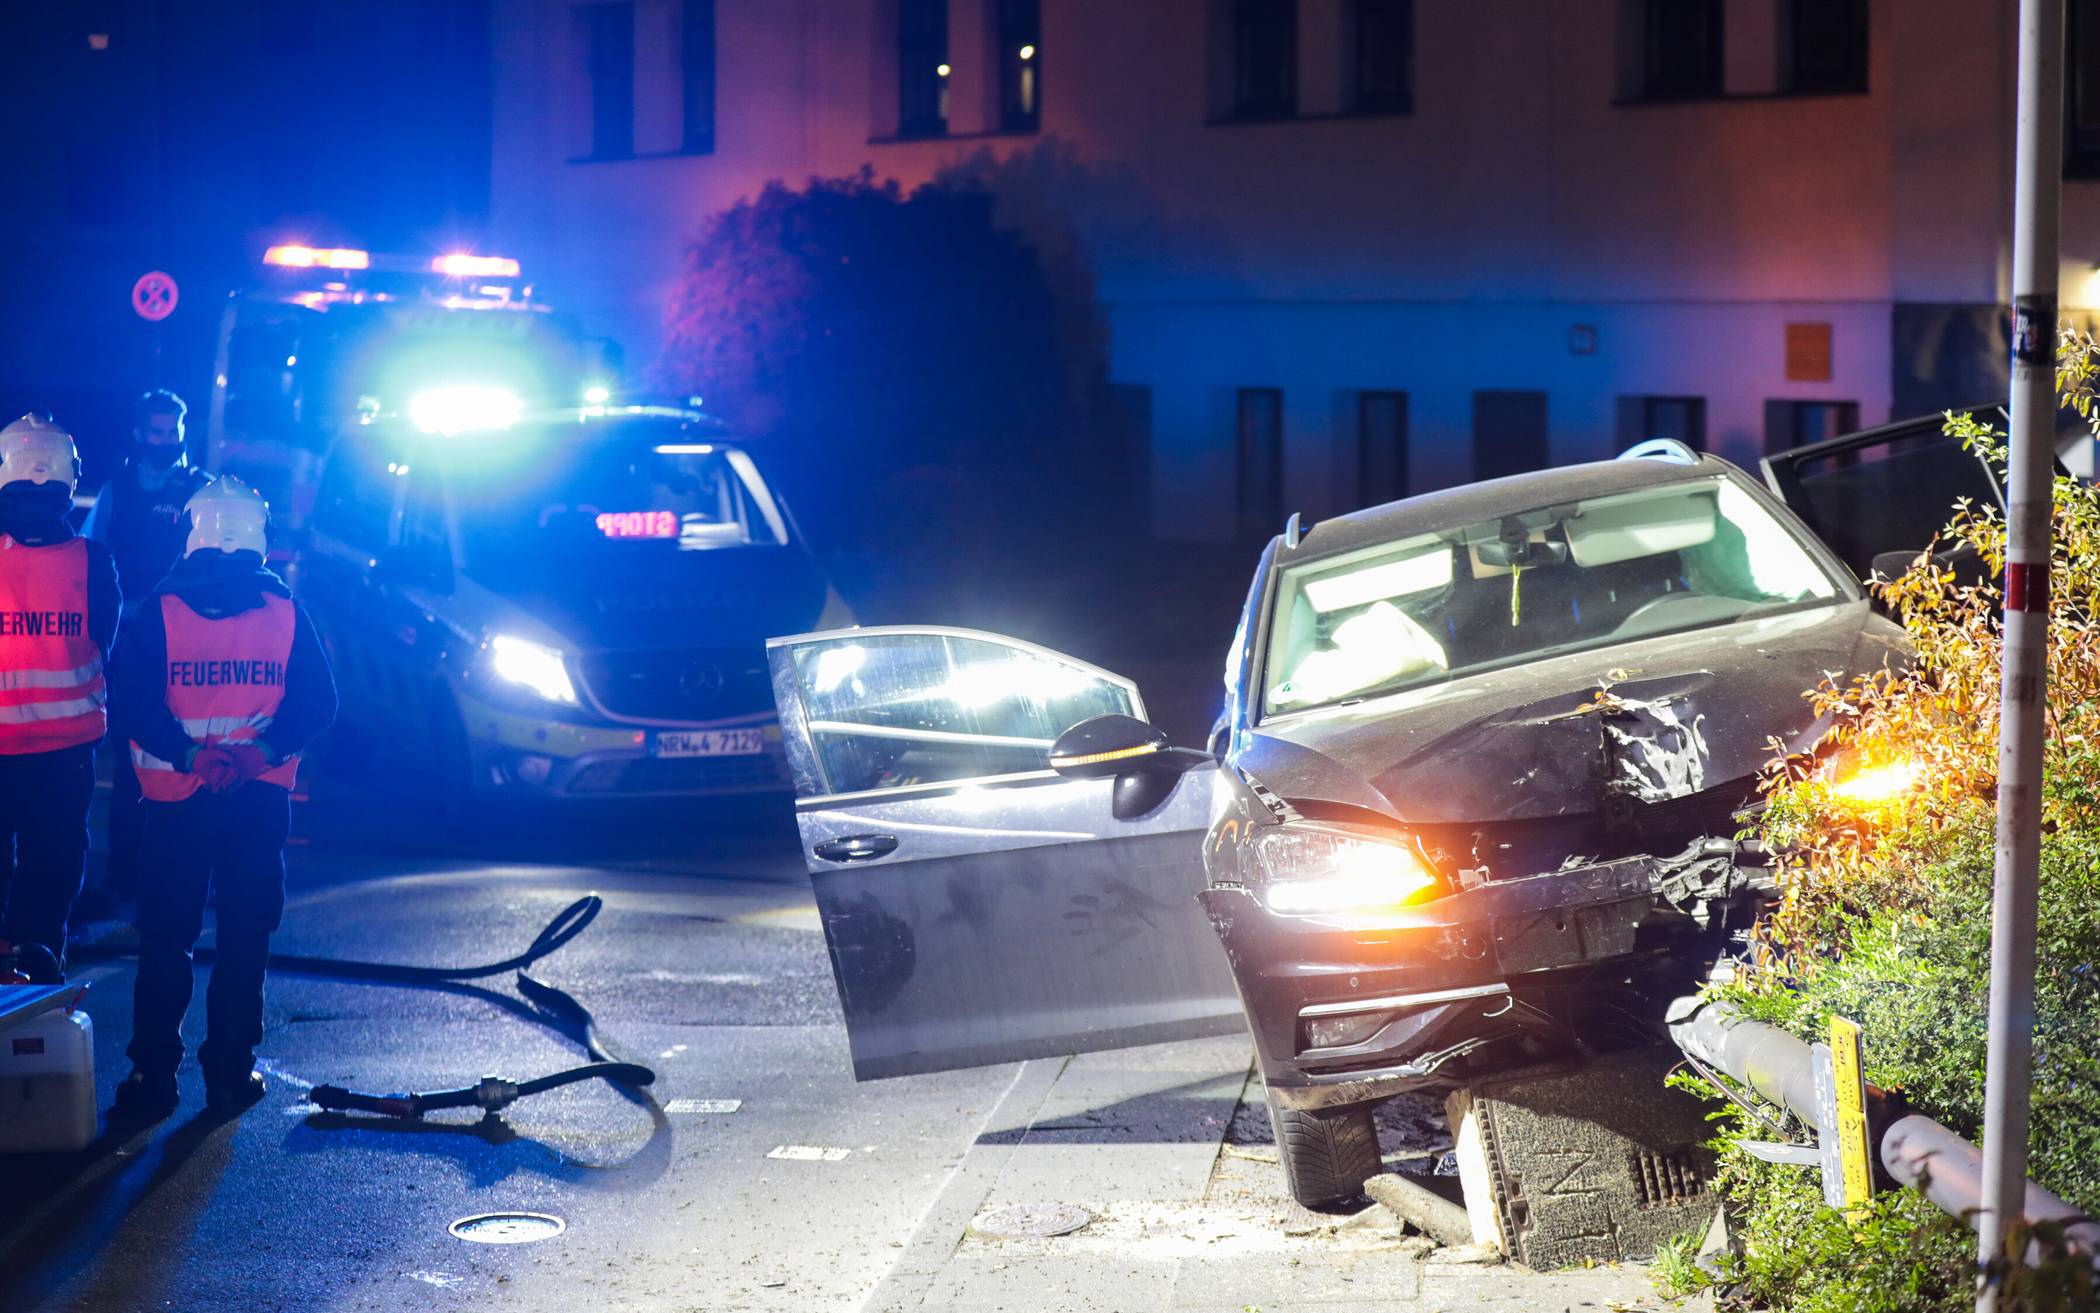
{"points": [[153, 296]]}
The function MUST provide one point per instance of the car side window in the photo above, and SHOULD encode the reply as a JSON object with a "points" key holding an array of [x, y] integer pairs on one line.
{"points": [[355, 502], [893, 710], [425, 540]]}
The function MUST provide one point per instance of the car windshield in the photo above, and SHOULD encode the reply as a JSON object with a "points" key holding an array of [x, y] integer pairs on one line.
{"points": [[1529, 585], [615, 499]]}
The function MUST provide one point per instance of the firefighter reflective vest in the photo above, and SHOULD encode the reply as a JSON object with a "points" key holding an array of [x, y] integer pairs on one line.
{"points": [[51, 691], [224, 681]]}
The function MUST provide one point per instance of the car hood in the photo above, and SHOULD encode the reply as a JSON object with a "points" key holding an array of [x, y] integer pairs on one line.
{"points": [[1679, 714], [727, 598]]}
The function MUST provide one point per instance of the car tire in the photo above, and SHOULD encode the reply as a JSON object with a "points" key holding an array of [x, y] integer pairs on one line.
{"points": [[1326, 1155], [462, 800]]}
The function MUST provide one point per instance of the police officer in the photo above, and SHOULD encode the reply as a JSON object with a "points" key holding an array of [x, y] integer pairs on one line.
{"points": [[223, 687], [138, 513], [58, 618]]}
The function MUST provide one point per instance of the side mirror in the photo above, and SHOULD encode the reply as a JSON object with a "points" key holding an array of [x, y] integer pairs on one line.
{"points": [[1129, 751]]}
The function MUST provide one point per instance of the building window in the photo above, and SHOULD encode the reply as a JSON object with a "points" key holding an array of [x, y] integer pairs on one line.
{"points": [[1790, 424], [1381, 447], [608, 36], [1264, 58], [1680, 49], [1509, 433], [922, 68], [1259, 500], [1680, 418], [696, 63], [1384, 60], [2082, 90], [1824, 43], [1020, 65]]}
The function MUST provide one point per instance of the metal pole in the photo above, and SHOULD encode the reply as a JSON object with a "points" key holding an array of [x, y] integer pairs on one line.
{"points": [[2037, 182]]}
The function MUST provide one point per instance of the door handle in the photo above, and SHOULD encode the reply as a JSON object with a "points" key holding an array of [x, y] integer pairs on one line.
{"points": [[857, 848]]}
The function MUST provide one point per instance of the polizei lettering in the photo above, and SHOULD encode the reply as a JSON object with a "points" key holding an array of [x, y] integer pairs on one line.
{"points": [[33, 624], [210, 674]]}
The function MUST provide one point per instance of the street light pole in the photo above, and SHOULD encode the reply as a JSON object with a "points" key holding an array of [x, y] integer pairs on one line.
{"points": [[2037, 183]]}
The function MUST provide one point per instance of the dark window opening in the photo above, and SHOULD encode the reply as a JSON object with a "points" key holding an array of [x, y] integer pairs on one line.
{"points": [[1259, 500], [1826, 44], [1381, 447], [922, 68], [608, 32], [1264, 58], [1680, 49], [696, 64], [1790, 424], [1509, 433], [1020, 65], [2082, 90], [1385, 56], [1680, 418]]}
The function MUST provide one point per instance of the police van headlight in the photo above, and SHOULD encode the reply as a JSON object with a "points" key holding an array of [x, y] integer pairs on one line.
{"points": [[532, 666]]}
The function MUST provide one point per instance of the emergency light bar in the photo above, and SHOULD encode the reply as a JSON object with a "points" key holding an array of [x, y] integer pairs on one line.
{"points": [[461, 265], [455, 264], [307, 257]]}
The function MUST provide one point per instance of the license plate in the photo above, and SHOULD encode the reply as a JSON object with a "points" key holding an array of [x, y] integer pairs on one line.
{"points": [[710, 743]]}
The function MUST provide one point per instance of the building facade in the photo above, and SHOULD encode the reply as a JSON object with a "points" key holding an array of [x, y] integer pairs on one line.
{"points": [[1350, 249]]}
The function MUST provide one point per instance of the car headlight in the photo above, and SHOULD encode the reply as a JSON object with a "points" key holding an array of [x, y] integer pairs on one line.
{"points": [[532, 666], [1336, 875]]}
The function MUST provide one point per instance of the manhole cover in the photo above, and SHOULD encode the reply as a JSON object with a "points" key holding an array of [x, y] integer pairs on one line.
{"points": [[1017, 1220], [508, 1228]]}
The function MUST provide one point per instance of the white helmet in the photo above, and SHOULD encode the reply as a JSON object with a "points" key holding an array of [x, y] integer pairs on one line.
{"points": [[37, 450], [228, 515]]}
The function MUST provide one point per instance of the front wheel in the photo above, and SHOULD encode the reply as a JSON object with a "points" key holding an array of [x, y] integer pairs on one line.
{"points": [[1327, 1155]]}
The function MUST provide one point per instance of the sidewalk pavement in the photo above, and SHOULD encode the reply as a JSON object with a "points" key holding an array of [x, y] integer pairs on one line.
{"points": [[1168, 1149]]}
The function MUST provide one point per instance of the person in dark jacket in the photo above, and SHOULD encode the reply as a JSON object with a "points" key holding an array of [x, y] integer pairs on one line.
{"points": [[225, 683], [138, 515], [59, 604]]}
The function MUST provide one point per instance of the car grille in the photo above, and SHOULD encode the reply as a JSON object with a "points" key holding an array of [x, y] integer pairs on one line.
{"points": [[680, 775], [680, 684]]}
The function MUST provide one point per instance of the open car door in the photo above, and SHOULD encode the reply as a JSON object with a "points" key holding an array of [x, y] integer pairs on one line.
{"points": [[979, 907], [1884, 490]]}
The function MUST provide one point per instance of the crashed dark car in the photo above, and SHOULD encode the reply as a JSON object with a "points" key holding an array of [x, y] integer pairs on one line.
{"points": [[1473, 803]]}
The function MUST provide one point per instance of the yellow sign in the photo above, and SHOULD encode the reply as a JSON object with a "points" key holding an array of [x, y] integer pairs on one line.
{"points": [[1851, 1114]]}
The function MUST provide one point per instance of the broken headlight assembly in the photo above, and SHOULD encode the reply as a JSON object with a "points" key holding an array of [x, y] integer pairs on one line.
{"points": [[1344, 877]]}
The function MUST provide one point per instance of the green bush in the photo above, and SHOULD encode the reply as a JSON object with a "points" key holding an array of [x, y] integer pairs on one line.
{"points": [[1885, 916]]}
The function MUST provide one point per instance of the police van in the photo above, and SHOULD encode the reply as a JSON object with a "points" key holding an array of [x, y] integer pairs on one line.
{"points": [[567, 603]]}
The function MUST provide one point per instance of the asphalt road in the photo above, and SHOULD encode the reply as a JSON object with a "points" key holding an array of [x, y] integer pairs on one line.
{"points": [[759, 1177]]}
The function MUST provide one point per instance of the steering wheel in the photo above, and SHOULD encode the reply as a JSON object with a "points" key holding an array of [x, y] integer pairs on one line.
{"points": [[1697, 608]]}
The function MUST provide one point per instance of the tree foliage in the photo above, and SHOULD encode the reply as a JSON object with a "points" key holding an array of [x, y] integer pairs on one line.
{"points": [[904, 360]]}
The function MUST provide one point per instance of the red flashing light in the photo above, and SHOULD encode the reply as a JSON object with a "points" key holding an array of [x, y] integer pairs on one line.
{"points": [[308, 257], [461, 265]]}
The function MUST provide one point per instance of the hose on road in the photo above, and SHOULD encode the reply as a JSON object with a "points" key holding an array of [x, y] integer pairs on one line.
{"points": [[491, 1092]]}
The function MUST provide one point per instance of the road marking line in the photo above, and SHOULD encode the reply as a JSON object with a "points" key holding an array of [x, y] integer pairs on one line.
{"points": [[809, 1153], [707, 1107]]}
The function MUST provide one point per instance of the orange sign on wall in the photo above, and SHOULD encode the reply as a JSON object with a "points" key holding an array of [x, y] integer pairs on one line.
{"points": [[1808, 353]]}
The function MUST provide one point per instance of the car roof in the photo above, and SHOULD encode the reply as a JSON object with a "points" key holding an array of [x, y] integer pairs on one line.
{"points": [[1471, 503]]}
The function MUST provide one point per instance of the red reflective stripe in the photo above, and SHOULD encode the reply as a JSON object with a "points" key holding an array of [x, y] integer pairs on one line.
{"points": [[2026, 586], [46, 589]]}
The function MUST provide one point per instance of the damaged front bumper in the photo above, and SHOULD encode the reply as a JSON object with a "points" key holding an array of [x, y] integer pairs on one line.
{"points": [[1343, 1016]]}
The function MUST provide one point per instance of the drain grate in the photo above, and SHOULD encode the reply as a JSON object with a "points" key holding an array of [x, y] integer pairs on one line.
{"points": [[1668, 1178], [507, 1228], [1016, 1221]]}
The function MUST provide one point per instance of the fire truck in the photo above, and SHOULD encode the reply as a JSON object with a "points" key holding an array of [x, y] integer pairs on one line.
{"points": [[333, 334]]}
